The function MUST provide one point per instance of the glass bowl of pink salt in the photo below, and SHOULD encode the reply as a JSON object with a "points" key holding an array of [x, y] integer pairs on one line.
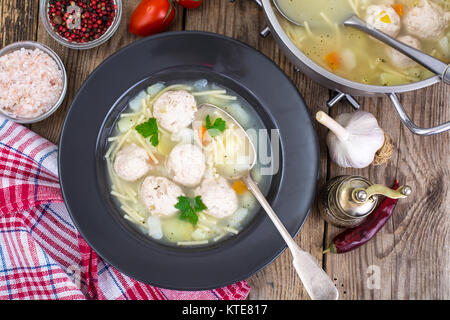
{"points": [[33, 82]]}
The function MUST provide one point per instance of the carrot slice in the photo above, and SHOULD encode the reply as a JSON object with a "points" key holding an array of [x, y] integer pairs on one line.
{"points": [[333, 60], [240, 187], [203, 137], [203, 132], [398, 7]]}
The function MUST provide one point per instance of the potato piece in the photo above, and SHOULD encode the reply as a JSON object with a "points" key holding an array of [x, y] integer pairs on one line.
{"points": [[137, 103], [154, 89], [177, 230], [125, 124], [154, 227]]}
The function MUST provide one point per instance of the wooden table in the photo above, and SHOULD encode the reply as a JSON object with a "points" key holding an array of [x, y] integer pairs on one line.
{"points": [[411, 252]]}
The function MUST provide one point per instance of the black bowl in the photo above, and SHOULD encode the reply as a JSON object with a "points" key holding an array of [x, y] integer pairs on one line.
{"points": [[185, 56]]}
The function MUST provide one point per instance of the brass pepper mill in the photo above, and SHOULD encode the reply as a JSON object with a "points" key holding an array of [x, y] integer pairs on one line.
{"points": [[346, 201]]}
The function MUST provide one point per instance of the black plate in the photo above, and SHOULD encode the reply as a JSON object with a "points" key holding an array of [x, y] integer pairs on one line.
{"points": [[173, 56]]}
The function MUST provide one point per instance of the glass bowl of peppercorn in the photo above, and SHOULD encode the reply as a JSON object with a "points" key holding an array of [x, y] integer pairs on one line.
{"points": [[81, 24]]}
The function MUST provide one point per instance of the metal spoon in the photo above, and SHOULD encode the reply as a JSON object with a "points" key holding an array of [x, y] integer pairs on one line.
{"points": [[317, 283], [436, 66]]}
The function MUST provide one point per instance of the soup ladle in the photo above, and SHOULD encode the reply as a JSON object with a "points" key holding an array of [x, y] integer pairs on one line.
{"points": [[315, 280], [435, 65]]}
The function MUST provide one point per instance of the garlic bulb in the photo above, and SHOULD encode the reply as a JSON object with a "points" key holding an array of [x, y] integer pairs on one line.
{"points": [[354, 138]]}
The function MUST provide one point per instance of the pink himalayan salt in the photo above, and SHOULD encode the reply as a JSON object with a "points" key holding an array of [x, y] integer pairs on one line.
{"points": [[30, 83]]}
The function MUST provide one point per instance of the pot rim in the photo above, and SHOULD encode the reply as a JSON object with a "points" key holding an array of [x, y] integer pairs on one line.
{"points": [[276, 28]]}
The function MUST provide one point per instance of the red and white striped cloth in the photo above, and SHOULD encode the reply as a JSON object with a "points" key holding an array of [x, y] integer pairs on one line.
{"points": [[42, 255]]}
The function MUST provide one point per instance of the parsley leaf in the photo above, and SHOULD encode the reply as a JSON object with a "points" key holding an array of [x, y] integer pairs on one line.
{"points": [[198, 204], [186, 211], [189, 208], [216, 128], [149, 129], [183, 203]]}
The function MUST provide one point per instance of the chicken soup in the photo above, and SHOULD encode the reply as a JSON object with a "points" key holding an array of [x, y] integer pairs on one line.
{"points": [[352, 54], [163, 170]]}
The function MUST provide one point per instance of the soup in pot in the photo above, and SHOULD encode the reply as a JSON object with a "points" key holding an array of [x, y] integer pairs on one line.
{"points": [[352, 54]]}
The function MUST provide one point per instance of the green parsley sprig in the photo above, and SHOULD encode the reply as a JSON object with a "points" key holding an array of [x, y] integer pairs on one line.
{"points": [[216, 128], [189, 207], [149, 129]]}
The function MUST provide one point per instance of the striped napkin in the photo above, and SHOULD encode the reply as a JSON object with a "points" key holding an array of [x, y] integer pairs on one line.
{"points": [[42, 255]]}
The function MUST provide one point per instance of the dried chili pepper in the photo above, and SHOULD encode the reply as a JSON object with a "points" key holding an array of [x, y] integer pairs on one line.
{"points": [[355, 237]]}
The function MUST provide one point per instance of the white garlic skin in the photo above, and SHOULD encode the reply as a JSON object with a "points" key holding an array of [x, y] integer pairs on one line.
{"points": [[364, 140]]}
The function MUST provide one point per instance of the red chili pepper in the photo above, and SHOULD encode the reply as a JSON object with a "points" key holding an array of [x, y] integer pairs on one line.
{"points": [[355, 237]]}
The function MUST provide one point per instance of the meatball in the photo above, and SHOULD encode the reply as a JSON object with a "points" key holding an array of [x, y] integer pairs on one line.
{"points": [[383, 18], [218, 196], [426, 21], [174, 110], [186, 164], [160, 195], [399, 59], [131, 163]]}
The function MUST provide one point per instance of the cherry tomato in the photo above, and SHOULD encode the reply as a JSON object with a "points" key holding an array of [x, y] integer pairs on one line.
{"points": [[152, 16], [190, 4]]}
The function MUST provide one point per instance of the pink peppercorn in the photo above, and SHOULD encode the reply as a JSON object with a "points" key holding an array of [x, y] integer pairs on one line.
{"points": [[93, 19]]}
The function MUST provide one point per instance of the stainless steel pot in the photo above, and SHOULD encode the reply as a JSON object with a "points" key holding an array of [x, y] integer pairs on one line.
{"points": [[344, 87]]}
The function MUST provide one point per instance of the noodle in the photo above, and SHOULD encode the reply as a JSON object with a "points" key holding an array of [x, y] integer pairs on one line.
{"points": [[119, 195], [146, 146], [203, 218], [232, 230], [209, 92], [203, 227], [308, 30], [118, 144], [132, 213], [224, 96], [219, 237], [126, 115], [129, 192], [110, 150], [191, 243], [327, 20]]}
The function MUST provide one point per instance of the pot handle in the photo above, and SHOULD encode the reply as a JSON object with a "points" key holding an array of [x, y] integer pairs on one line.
{"points": [[411, 126]]}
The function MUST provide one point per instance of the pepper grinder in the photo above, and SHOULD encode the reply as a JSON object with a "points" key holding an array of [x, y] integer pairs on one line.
{"points": [[346, 201]]}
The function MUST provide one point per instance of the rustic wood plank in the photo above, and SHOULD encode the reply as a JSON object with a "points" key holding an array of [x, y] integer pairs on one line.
{"points": [[421, 229], [411, 250], [80, 63], [243, 20], [18, 21]]}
